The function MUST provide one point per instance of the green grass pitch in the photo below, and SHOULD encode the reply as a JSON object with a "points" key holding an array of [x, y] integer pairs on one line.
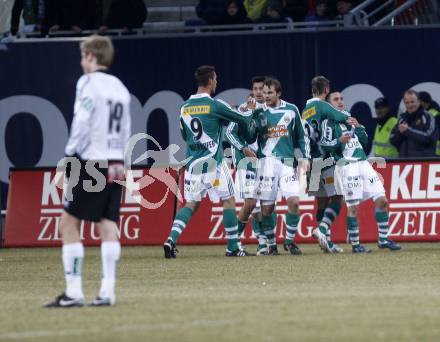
{"points": [[203, 296]]}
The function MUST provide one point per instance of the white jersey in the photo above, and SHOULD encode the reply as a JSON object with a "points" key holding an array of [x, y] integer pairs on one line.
{"points": [[101, 125]]}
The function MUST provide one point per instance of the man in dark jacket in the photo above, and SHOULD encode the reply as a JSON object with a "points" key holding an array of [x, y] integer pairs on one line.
{"points": [[416, 134]]}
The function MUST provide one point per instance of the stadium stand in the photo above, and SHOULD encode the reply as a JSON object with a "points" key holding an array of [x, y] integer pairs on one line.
{"points": [[169, 16]]}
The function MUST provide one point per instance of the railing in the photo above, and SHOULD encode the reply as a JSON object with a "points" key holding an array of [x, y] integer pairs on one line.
{"points": [[180, 27], [410, 12], [368, 13]]}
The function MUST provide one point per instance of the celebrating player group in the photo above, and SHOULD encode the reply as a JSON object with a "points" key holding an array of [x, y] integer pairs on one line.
{"points": [[264, 133]]}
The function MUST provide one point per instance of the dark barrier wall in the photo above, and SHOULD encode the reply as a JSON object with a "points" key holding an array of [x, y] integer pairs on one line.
{"points": [[37, 80]]}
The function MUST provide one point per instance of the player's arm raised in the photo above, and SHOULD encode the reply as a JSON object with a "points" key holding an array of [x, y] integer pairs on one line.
{"points": [[245, 122], [334, 114]]}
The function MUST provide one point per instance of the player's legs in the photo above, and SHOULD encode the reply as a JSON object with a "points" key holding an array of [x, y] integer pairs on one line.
{"points": [[268, 225], [258, 230], [224, 190], [110, 255], [353, 227], [245, 181], [179, 224], [321, 203], [373, 188], [330, 212], [230, 224], [244, 213], [292, 220], [72, 256], [267, 186], [381, 205]]}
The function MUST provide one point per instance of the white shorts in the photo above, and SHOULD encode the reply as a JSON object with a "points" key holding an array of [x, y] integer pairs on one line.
{"points": [[245, 183], [326, 184], [358, 182], [272, 176], [218, 184]]}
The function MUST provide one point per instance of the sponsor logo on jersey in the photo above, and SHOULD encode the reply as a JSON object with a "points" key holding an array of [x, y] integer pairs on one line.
{"points": [[329, 180], [308, 113], [277, 131], [193, 110]]}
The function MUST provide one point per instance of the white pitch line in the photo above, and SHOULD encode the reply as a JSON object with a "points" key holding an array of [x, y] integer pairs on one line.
{"points": [[415, 205], [18, 335]]}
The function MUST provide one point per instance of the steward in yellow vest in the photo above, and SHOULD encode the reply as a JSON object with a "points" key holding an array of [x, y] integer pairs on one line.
{"points": [[385, 123]]}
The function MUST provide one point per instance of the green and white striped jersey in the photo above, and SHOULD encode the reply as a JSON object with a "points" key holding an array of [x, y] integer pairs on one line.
{"points": [[353, 150], [234, 138], [315, 111], [280, 131], [202, 124]]}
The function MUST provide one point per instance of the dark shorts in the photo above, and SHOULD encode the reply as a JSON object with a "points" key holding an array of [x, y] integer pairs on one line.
{"points": [[93, 206]]}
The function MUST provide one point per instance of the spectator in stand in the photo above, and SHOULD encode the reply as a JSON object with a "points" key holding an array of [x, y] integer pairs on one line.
{"points": [[416, 133], [33, 16], [342, 8], [274, 13], [71, 15], [124, 14], [320, 12], [211, 12], [432, 107], [296, 9], [255, 8], [386, 121], [235, 13]]}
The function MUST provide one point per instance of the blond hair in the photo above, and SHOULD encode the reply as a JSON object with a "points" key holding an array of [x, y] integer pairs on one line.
{"points": [[100, 47]]}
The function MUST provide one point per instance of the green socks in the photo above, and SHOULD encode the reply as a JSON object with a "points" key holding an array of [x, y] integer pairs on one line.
{"points": [[382, 224], [329, 216], [353, 230], [291, 227], [230, 223], [180, 222]]}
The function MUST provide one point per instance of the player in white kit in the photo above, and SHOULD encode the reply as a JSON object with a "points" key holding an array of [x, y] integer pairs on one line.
{"points": [[100, 131]]}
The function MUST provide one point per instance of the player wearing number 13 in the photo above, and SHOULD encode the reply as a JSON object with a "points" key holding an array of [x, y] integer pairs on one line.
{"points": [[203, 121]]}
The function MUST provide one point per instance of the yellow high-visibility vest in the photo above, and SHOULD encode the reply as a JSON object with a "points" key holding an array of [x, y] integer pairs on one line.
{"points": [[381, 144], [434, 113]]}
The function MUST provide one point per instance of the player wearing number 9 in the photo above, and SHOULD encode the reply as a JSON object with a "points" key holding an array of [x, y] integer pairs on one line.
{"points": [[202, 124]]}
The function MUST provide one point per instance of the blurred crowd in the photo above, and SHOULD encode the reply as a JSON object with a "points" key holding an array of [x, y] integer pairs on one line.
{"points": [[227, 12], [413, 133], [46, 16]]}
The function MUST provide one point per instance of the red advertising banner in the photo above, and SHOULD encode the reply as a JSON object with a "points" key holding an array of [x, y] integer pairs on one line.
{"points": [[413, 192], [35, 206]]}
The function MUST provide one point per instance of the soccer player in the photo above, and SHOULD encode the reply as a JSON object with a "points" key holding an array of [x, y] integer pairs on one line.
{"points": [[316, 110], [202, 123], [100, 131], [328, 202], [280, 130], [356, 179], [246, 170]]}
